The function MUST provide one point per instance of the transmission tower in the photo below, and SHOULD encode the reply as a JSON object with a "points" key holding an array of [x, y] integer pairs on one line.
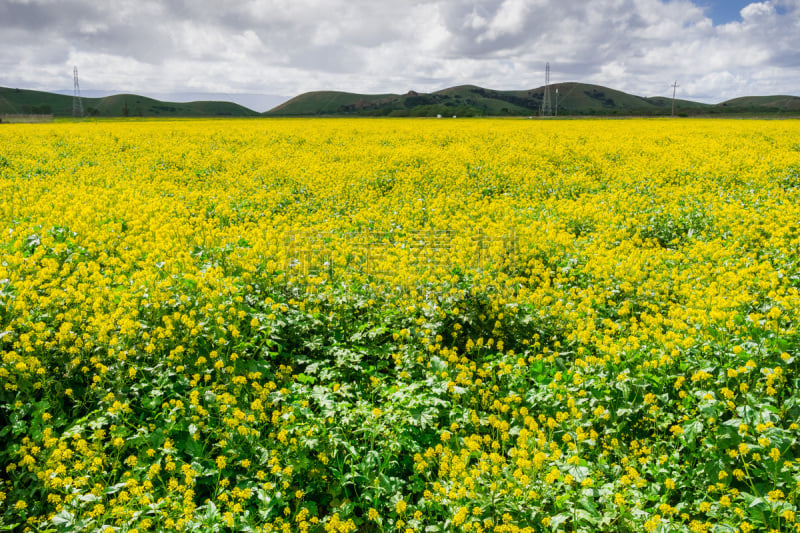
{"points": [[77, 102], [674, 88], [547, 107]]}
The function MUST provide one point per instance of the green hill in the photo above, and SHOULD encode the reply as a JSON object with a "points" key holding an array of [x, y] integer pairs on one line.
{"points": [[13, 101], [331, 102], [470, 100], [574, 99], [761, 103], [665, 102]]}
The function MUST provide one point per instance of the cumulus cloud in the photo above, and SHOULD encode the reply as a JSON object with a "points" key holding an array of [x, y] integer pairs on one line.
{"points": [[291, 46]]}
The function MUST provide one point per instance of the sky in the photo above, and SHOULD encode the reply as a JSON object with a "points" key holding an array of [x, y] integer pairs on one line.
{"points": [[265, 51]]}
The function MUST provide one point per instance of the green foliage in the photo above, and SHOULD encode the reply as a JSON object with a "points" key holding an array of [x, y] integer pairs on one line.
{"points": [[625, 360]]}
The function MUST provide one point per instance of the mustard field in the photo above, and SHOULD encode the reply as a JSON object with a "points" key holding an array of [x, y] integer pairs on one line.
{"points": [[400, 326]]}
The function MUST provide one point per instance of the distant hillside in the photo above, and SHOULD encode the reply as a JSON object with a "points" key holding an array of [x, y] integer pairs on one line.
{"points": [[574, 99], [331, 102], [776, 103], [119, 105]]}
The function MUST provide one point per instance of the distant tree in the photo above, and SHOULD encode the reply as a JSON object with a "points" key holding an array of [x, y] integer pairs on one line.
{"points": [[125, 109]]}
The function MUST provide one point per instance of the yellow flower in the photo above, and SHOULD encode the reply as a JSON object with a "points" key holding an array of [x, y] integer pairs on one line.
{"points": [[743, 449], [775, 496], [775, 454]]}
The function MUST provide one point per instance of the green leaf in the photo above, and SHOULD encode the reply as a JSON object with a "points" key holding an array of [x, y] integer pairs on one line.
{"points": [[64, 518], [578, 472], [557, 520], [588, 505], [690, 432], [305, 379], [211, 512], [582, 516]]}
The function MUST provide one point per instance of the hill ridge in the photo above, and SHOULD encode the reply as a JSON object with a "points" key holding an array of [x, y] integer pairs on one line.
{"points": [[567, 98], [574, 98], [27, 101]]}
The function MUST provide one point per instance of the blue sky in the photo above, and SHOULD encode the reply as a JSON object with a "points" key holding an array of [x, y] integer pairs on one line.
{"points": [[715, 49], [724, 11]]}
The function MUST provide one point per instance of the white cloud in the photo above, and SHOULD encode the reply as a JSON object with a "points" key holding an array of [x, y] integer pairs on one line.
{"points": [[756, 10], [510, 19], [291, 46]]}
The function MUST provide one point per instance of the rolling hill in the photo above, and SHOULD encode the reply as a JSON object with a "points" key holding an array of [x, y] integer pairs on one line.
{"points": [[14, 101], [781, 103], [573, 99]]}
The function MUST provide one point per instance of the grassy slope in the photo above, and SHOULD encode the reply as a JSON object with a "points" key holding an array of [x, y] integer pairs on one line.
{"points": [[15, 101], [573, 98], [779, 102], [326, 102], [143, 106], [492, 102], [21, 100], [666, 102], [583, 97]]}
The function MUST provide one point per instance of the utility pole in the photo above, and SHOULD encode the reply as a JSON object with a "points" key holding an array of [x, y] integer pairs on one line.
{"points": [[674, 88]]}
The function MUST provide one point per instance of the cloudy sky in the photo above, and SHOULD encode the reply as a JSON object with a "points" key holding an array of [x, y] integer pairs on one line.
{"points": [[715, 49]]}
